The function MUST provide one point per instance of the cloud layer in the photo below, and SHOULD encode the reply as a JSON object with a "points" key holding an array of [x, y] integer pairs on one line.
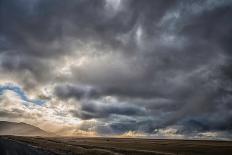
{"points": [[152, 67]]}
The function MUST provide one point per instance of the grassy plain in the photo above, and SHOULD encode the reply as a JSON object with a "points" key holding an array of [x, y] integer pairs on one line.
{"points": [[125, 146]]}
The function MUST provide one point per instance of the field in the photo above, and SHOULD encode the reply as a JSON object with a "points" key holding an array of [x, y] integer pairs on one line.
{"points": [[120, 146]]}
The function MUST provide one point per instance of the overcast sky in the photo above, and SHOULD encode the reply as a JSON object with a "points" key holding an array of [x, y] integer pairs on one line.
{"points": [[154, 68]]}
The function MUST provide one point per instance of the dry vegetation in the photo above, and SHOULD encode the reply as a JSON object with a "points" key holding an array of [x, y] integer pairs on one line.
{"points": [[125, 146]]}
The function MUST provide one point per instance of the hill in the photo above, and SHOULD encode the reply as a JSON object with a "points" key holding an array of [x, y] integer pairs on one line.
{"points": [[21, 129]]}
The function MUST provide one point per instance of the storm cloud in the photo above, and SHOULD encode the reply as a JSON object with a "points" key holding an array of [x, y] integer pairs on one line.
{"points": [[144, 66]]}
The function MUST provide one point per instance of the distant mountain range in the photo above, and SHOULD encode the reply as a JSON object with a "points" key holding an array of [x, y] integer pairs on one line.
{"points": [[21, 129]]}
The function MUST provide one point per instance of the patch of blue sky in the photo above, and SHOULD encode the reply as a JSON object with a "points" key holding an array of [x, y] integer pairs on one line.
{"points": [[20, 92]]}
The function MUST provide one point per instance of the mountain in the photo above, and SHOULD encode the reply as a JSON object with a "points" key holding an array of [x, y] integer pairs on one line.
{"points": [[21, 129]]}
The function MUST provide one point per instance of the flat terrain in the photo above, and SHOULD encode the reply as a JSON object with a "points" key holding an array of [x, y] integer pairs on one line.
{"points": [[11, 147], [110, 146]]}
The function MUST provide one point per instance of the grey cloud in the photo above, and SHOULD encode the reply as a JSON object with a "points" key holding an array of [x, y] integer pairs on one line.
{"points": [[90, 110], [78, 92], [164, 60]]}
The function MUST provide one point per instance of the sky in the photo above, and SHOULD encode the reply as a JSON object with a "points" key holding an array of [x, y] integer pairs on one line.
{"points": [[131, 68]]}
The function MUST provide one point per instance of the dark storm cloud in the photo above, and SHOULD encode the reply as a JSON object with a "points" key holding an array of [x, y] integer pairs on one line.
{"points": [[39, 28], [189, 76], [168, 62], [93, 109], [202, 124], [78, 92]]}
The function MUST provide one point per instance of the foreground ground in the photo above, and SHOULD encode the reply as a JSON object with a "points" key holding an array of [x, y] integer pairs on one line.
{"points": [[12, 145]]}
